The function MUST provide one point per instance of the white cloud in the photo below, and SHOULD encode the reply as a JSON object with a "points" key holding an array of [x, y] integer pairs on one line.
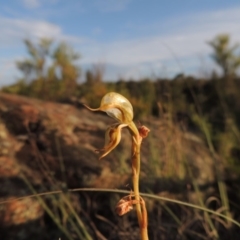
{"points": [[186, 42], [13, 31]]}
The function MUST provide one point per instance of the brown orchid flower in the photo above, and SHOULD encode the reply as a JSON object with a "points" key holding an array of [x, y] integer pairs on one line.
{"points": [[119, 108]]}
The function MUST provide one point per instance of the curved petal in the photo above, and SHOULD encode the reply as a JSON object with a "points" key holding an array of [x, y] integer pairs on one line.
{"points": [[91, 109], [112, 139]]}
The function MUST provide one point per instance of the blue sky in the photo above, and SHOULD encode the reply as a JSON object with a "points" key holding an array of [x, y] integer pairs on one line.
{"points": [[130, 38]]}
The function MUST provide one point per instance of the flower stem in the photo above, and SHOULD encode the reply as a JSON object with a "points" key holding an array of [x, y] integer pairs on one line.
{"points": [[141, 213], [135, 178]]}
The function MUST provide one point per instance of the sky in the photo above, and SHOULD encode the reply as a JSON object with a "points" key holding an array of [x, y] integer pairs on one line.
{"points": [[127, 38]]}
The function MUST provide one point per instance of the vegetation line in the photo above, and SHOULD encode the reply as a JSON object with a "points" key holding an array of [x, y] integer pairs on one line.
{"points": [[128, 192]]}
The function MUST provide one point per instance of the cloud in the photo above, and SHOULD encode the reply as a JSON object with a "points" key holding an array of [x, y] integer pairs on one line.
{"points": [[14, 30], [190, 39], [186, 43]]}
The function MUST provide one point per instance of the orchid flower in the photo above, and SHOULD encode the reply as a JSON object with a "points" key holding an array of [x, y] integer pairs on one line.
{"points": [[119, 108]]}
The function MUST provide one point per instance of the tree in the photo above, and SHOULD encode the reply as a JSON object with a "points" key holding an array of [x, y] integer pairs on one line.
{"points": [[50, 72], [65, 69], [33, 67], [225, 55]]}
